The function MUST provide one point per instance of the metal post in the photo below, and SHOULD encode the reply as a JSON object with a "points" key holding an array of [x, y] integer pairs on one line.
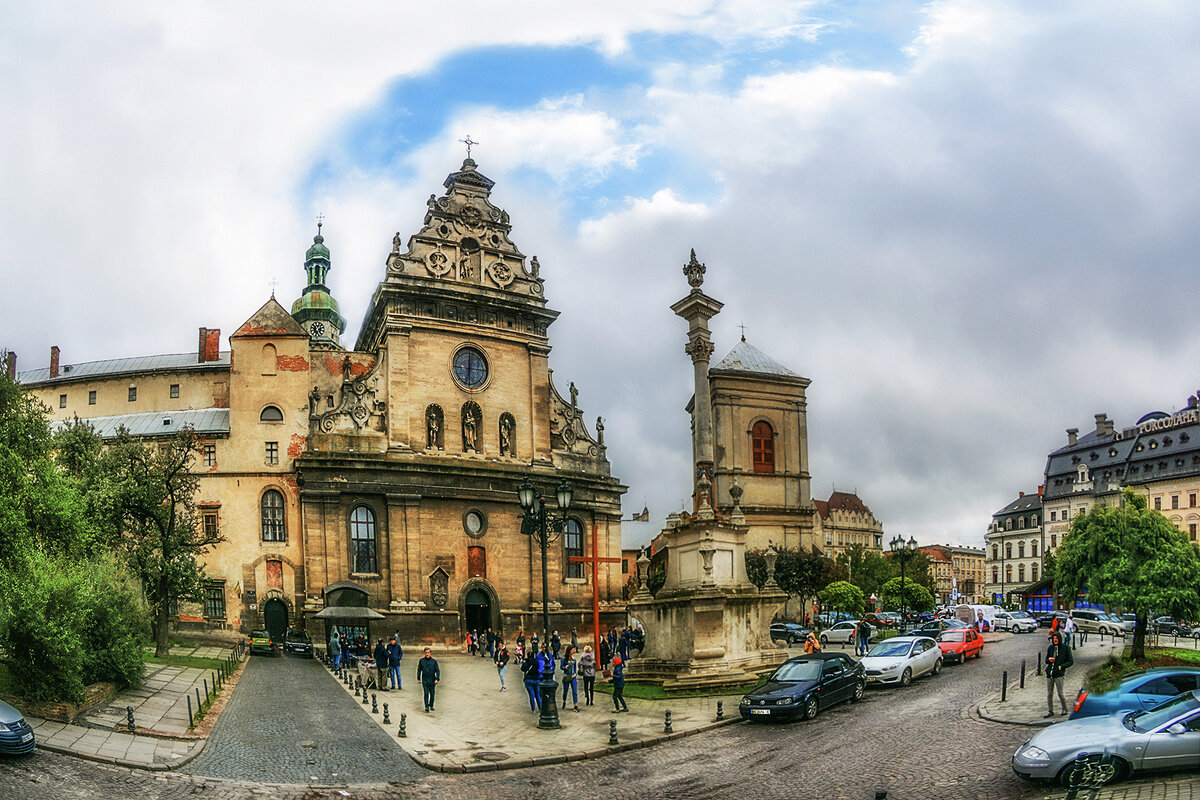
{"points": [[197, 698], [364, 695], [720, 710], [667, 721], [403, 723], [1022, 673], [191, 722], [205, 680], [612, 732], [1004, 687], [386, 721], [1039, 666]]}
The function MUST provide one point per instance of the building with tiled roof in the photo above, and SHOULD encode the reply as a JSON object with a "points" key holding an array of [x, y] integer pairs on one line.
{"points": [[844, 521], [1014, 548]]}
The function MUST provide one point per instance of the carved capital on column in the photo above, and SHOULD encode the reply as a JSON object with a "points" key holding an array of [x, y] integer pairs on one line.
{"points": [[699, 349]]}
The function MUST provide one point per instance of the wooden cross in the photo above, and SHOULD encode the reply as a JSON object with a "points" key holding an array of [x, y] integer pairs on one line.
{"points": [[595, 560], [467, 141]]}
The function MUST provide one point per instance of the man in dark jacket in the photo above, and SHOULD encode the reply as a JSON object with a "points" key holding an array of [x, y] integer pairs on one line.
{"points": [[531, 671], [618, 681], [381, 666], [395, 653], [1058, 659], [429, 675], [555, 644]]}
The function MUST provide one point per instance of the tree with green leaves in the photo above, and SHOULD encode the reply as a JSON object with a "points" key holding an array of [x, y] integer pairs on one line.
{"points": [[842, 596], [914, 596], [867, 569], [1133, 558], [799, 574], [152, 490]]}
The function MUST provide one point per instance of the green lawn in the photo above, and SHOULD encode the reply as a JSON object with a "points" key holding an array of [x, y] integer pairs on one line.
{"points": [[183, 661], [1109, 675]]}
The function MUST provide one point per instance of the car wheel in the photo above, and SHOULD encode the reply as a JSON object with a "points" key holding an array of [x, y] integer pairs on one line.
{"points": [[979, 653], [811, 707], [859, 689], [937, 666], [1105, 774], [791, 641], [906, 677]]}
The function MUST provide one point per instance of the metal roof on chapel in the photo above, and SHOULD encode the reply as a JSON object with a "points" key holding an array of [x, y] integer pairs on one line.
{"points": [[745, 357]]}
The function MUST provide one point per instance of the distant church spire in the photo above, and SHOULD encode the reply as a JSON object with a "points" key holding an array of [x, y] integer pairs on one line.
{"points": [[316, 310]]}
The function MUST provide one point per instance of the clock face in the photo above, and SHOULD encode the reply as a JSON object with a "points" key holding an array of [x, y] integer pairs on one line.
{"points": [[317, 329], [470, 368]]}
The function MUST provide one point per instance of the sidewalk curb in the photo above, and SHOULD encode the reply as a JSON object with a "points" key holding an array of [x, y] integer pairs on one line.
{"points": [[563, 758], [978, 709]]}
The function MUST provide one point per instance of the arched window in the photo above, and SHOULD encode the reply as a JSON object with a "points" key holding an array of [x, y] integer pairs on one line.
{"points": [[1020, 549], [995, 574], [271, 414], [1021, 573], [1034, 569], [572, 546], [1008, 524], [274, 528], [362, 539], [762, 439], [1020, 522], [269, 359], [1008, 574]]}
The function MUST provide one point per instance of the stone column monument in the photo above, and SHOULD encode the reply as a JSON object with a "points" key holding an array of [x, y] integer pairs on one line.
{"points": [[708, 625]]}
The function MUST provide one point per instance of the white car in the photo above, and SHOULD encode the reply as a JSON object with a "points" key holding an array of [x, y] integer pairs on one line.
{"points": [[843, 632], [902, 658], [1015, 621]]}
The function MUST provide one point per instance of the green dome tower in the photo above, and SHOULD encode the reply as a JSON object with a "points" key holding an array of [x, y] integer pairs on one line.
{"points": [[316, 310]]}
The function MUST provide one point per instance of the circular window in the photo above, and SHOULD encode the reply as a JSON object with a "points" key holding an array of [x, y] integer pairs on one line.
{"points": [[470, 368], [475, 522]]}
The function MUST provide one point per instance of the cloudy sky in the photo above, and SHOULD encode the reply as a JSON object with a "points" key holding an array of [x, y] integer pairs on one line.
{"points": [[971, 224]]}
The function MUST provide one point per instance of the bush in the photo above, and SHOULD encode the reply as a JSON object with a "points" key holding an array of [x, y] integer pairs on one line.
{"points": [[65, 625]]}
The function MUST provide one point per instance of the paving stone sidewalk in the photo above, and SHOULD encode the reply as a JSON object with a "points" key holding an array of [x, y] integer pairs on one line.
{"points": [[1028, 706], [160, 705], [476, 727], [1187, 788]]}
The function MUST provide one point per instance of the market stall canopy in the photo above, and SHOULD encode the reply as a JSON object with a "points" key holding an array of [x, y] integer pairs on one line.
{"points": [[348, 613]]}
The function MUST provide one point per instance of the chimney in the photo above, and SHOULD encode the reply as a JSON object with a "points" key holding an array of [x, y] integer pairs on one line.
{"points": [[1041, 490], [1104, 425], [1022, 494], [1072, 433], [54, 361], [12, 365], [209, 348]]}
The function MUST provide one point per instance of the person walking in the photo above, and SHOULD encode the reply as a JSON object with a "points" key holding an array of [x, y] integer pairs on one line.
{"points": [[812, 644], [490, 638], [395, 653], [428, 674], [862, 637], [501, 659], [587, 671], [569, 670], [618, 681], [381, 665], [604, 653], [555, 644], [1068, 631], [1058, 659], [335, 650], [532, 674]]}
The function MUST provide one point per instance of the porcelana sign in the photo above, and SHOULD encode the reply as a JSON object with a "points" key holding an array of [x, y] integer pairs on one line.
{"points": [[1182, 418]]}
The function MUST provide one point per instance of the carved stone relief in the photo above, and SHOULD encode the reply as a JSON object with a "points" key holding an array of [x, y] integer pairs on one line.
{"points": [[361, 400], [567, 429], [439, 588], [472, 424]]}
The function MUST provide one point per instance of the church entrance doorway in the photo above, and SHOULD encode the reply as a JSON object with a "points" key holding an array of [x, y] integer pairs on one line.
{"points": [[275, 619], [479, 611]]}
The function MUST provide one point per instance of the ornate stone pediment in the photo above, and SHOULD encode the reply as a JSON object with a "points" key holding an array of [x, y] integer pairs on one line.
{"points": [[361, 406], [567, 429]]}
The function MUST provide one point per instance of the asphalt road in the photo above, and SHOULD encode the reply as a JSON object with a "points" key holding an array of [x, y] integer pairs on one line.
{"points": [[920, 742]]}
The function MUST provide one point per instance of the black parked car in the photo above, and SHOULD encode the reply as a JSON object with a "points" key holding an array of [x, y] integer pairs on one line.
{"points": [[1167, 626], [297, 641], [1046, 620], [937, 627], [805, 685], [790, 632]]}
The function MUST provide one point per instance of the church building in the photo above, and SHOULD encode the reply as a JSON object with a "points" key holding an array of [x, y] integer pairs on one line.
{"points": [[375, 487]]}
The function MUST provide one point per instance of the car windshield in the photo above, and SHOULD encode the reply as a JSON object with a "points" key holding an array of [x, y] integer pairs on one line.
{"points": [[1163, 712], [794, 671], [952, 636], [888, 649], [1018, 615], [259, 635], [298, 636]]}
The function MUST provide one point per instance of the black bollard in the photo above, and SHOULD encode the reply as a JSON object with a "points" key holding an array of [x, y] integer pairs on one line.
{"points": [[129, 717], [1039, 666], [667, 722], [1004, 686], [205, 689], [191, 722], [1022, 673], [612, 732], [364, 695], [374, 704], [386, 721], [356, 691], [197, 698], [403, 723], [720, 710], [880, 794]]}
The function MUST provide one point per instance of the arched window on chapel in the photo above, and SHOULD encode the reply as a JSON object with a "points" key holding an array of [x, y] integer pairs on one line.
{"points": [[362, 540], [762, 438]]}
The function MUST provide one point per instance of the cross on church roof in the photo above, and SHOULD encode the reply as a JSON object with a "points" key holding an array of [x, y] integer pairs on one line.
{"points": [[320, 222], [467, 141], [743, 327], [273, 283]]}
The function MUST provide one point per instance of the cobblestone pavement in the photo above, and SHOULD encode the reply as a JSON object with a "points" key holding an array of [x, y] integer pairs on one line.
{"points": [[919, 743], [290, 722]]}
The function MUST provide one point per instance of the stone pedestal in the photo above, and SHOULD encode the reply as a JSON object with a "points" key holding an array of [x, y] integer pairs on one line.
{"points": [[708, 626]]}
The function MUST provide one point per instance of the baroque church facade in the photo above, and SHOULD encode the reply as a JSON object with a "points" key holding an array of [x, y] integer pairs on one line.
{"points": [[376, 486]]}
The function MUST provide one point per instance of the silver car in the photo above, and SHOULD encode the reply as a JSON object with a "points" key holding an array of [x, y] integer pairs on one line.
{"points": [[843, 632], [902, 658], [1164, 737]]}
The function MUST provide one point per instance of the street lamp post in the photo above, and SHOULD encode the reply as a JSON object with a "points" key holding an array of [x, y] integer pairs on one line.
{"points": [[542, 527], [902, 551]]}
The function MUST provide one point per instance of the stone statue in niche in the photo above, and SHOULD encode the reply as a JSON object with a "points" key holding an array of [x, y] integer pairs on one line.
{"points": [[314, 402], [506, 432], [464, 270], [438, 588], [469, 433], [534, 266], [432, 202], [431, 429], [346, 368]]}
